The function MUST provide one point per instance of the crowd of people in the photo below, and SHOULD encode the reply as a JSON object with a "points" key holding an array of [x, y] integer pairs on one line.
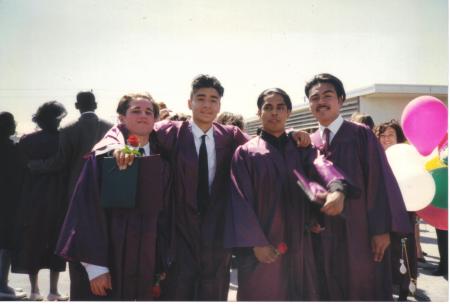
{"points": [[204, 191]]}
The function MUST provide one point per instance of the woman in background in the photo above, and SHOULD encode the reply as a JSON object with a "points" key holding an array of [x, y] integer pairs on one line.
{"points": [[389, 134], [41, 208]]}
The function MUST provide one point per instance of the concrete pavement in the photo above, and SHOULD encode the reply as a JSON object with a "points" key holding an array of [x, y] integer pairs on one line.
{"points": [[430, 288]]}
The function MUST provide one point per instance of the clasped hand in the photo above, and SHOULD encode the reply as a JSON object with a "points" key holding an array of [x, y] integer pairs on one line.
{"points": [[334, 203], [100, 284], [265, 254]]}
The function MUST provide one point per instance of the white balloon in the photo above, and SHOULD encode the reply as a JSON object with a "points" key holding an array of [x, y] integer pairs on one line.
{"points": [[405, 156], [416, 184], [417, 190]]}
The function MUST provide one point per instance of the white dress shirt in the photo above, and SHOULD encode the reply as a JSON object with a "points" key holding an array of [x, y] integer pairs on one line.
{"points": [[210, 148], [333, 127], [147, 151], [93, 270]]}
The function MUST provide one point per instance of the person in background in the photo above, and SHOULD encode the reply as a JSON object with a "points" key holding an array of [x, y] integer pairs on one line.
{"points": [[164, 112], [75, 141], [358, 117], [10, 183], [228, 118], [403, 246], [42, 207], [179, 117], [442, 241], [354, 246]]}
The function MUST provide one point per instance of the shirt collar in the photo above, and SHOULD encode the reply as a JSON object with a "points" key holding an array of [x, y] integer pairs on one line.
{"points": [[277, 142], [147, 148], [198, 132], [86, 112], [333, 127]]}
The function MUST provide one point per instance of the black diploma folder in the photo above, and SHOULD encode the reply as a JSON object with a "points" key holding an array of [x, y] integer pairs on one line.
{"points": [[119, 187]]}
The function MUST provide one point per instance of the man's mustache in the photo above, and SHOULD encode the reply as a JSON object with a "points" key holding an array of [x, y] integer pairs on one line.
{"points": [[322, 106]]}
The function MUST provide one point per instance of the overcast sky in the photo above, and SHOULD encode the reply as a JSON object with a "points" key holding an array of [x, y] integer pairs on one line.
{"points": [[51, 49]]}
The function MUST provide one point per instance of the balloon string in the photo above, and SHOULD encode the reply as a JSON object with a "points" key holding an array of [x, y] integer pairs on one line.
{"points": [[443, 141], [405, 253]]}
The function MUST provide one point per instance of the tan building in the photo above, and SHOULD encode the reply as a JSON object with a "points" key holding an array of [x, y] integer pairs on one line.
{"points": [[382, 102]]}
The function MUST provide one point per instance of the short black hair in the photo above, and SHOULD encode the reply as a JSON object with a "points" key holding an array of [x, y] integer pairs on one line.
{"points": [[267, 92], [363, 118], [125, 101], [206, 81], [326, 78], [228, 118], [7, 125], [49, 115], [86, 101], [395, 126]]}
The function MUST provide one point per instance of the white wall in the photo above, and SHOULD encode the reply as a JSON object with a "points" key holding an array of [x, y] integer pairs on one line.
{"points": [[385, 108]]}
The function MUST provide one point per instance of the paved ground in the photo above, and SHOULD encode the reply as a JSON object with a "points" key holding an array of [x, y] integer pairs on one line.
{"points": [[430, 288]]}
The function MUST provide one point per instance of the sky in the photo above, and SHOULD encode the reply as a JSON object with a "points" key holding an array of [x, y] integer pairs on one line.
{"points": [[52, 49]]}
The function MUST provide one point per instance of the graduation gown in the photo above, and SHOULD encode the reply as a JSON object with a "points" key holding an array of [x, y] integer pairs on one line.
{"points": [[267, 208], [350, 274], [41, 211], [123, 240], [200, 270]]}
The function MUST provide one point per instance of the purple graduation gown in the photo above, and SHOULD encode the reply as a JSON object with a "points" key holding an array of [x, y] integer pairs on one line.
{"points": [[267, 208], [124, 240], [200, 270], [350, 274]]}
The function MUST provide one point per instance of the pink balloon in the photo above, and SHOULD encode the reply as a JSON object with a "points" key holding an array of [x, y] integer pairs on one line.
{"points": [[435, 216], [424, 122]]}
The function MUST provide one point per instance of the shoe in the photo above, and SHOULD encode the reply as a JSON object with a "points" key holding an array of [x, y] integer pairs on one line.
{"points": [[35, 297], [57, 297], [12, 294], [424, 253]]}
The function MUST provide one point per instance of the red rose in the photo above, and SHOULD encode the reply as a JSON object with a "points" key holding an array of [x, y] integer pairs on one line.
{"points": [[282, 248], [156, 291], [133, 141]]}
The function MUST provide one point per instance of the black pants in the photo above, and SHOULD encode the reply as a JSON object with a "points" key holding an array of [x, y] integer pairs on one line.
{"points": [[442, 241]]}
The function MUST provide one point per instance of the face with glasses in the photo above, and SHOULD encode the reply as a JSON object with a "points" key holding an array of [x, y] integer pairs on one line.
{"points": [[273, 114], [139, 118], [324, 103]]}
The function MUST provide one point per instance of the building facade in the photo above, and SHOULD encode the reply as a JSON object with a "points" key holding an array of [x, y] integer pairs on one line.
{"points": [[382, 102]]}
